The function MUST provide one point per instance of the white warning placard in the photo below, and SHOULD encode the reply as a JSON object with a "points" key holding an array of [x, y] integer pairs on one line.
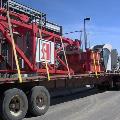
{"points": [[44, 51]]}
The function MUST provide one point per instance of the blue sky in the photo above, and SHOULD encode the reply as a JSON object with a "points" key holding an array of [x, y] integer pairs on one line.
{"points": [[104, 26]]}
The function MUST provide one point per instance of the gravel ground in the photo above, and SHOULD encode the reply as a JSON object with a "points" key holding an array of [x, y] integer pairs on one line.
{"points": [[88, 105]]}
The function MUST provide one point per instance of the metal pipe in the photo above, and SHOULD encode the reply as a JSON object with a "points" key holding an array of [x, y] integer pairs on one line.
{"points": [[85, 34], [1, 3]]}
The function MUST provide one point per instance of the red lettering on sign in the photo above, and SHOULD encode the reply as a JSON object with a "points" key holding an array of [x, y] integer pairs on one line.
{"points": [[45, 51]]}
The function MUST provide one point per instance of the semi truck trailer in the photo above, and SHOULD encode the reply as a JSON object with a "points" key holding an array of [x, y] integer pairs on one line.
{"points": [[36, 58]]}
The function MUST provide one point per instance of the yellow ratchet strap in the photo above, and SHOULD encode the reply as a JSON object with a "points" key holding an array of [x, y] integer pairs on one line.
{"points": [[65, 57], [46, 65], [14, 50], [95, 65]]}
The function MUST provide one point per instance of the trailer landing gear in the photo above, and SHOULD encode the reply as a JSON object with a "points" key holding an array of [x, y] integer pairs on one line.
{"points": [[107, 85]]}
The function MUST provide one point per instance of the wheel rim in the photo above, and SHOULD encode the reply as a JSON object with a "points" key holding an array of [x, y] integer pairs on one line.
{"points": [[15, 106], [41, 101]]}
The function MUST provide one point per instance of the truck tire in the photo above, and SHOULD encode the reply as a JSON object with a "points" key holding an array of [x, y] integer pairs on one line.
{"points": [[39, 101], [14, 104]]}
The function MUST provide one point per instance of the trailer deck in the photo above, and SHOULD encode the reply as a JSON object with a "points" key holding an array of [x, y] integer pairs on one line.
{"points": [[80, 77]]}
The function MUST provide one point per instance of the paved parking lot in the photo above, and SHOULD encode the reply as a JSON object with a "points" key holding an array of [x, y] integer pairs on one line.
{"points": [[88, 105]]}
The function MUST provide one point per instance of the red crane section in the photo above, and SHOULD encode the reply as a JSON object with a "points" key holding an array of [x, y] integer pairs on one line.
{"points": [[32, 49]]}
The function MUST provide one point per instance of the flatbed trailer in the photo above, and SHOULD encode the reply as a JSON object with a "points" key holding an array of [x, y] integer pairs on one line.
{"points": [[63, 81], [43, 88], [45, 61]]}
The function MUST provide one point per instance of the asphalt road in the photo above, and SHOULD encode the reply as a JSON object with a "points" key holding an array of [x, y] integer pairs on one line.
{"points": [[88, 105]]}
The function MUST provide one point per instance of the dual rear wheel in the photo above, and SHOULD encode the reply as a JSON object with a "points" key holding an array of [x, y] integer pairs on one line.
{"points": [[39, 101], [15, 104]]}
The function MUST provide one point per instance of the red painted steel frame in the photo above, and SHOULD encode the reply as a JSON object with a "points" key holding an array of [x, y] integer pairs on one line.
{"points": [[21, 26]]}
